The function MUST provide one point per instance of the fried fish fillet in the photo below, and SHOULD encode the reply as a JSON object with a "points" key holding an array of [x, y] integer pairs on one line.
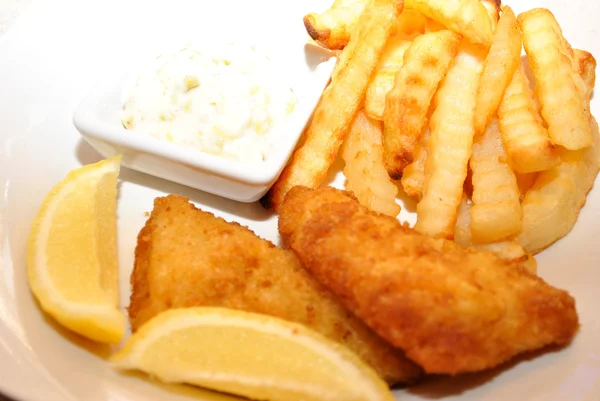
{"points": [[186, 257], [452, 310]]}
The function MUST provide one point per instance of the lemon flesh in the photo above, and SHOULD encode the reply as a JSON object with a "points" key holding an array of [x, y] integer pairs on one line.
{"points": [[247, 354], [72, 253]]}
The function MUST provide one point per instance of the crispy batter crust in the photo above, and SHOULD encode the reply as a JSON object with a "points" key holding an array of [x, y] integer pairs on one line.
{"points": [[450, 309], [186, 257]]}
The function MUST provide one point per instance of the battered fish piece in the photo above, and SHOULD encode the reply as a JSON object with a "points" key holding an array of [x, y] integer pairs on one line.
{"points": [[186, 257], [452, 310]]}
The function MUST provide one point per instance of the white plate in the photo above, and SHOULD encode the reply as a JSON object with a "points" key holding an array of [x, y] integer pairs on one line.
{"points": [[49, 59]]}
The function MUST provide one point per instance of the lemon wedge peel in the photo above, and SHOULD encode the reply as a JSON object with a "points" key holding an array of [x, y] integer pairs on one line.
{"points": [[102, 322], [346, 378]]}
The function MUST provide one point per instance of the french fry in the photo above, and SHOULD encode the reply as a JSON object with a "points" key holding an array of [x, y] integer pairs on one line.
{"points": [[500, 65], [467, 17], [406, 105], [552, 205], [409, 23], [507, 250], [493, 10], [563, 106], [511, 251], [449, 148], [345, 54], [407, 26], [390, 62], [338, 105], [496, 212], [434, 26], [577, 67], [366, 176], [527, 144], [333, 27], [413, 175], [462, 228], [586, 67], [574, 72], [525, 182]]}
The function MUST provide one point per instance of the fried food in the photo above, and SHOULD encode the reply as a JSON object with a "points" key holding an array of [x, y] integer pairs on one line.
{"points": [[500, 65], [462, 228], [525, 182], [410, 23], [467, 17], [366, 176], [551, 207], [345, 54], [586, 67], [493, 8], [383, 80], [339, 103], [406, 105], [186, 257], [509, 250], [413, 175], [434, 26], [449, 148], [558, 85], [332, 28], [496, 212], [528, 146], [452, 310]]}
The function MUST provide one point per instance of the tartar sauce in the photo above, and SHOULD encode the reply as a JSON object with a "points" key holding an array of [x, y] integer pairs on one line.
{"points": [[224, 101]]}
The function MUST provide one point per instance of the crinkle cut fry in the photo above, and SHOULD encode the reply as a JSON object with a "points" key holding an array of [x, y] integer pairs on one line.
{"points": [[333, 27], [525, 138], [559, 87], [339, 103], [551, 207], [467, 17], [365, 173], [405, 115], [450, 144], [502, 61]]}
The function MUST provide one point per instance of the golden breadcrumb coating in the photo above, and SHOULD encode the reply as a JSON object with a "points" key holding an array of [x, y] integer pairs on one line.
{"points": [[452, 310], [186, 257]]}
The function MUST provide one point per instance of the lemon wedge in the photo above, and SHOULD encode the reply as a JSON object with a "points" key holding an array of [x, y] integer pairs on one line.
{"points": [[72, 253], [256, 356]]}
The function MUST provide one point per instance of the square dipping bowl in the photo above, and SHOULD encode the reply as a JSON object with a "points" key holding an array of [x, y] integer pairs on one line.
{"points": [[306, 68]]}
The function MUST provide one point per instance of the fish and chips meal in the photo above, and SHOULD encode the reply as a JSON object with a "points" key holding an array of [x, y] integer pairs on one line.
{"points": [[460, 114], [431, 98]]}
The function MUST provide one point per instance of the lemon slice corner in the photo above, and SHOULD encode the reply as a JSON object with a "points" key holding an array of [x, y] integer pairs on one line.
{"points": [[72, 253], [251, 355]]}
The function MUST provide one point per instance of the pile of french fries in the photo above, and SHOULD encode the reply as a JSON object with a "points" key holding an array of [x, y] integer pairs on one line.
{"points": [[499, 150]]}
